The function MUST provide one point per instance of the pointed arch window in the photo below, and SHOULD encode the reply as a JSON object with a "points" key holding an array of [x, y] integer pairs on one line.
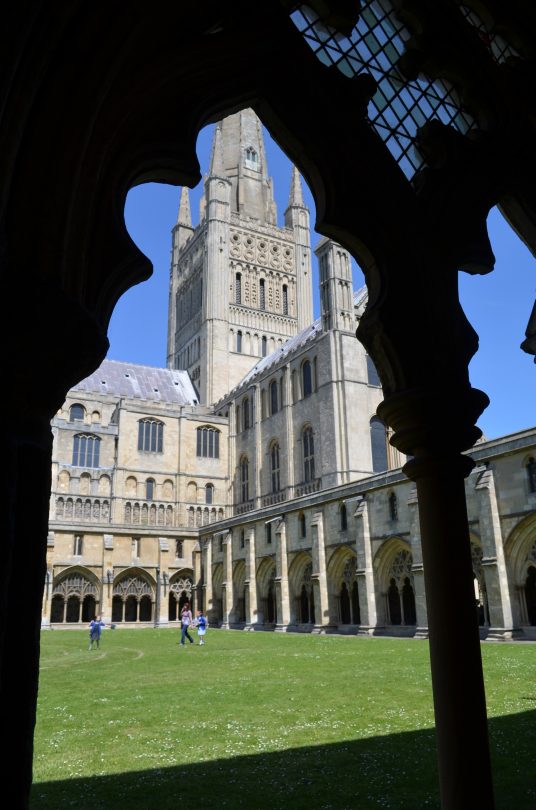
{"points": [[246, 415], [531, 474], [244, 479], [150, 436], [264, 345], [303, 526], [343, 514], [262, 294], [378, 444], [78, 546], [239, 341], [274, 397], [308, 455], [393, 506], [372, 374], [238, 288], [307, 379], [275, 470], [86, 450]]}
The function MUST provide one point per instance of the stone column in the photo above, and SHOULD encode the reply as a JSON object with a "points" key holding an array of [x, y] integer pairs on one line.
{"points": [[368, 606], [281, 575], [227, 584], [251, 580], [162, 602], [319, 576], [208, 598], [493, 562], [457, 679], [197, 585], [107, 578], [421, 631]]}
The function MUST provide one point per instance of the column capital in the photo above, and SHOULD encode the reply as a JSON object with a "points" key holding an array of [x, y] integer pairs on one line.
{"points": [[434, 426]]}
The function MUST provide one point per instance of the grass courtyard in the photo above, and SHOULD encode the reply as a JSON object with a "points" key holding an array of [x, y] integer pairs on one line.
{"points": [[261, 720]]}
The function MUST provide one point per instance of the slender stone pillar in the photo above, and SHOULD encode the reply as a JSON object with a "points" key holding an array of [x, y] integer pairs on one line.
{"points": [[320, 580], [162, 618], [210, 609], [251, 580], [281, 576], [227, 584], [197, 586], [494, 563], [457, 679], [421, 629], [107, 577], [365, 571]]}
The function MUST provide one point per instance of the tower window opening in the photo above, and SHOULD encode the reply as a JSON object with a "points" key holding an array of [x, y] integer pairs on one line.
{"points": [[285, 299], [252, 159]]}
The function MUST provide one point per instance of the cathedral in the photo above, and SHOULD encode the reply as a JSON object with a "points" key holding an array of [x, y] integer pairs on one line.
{"points": [[252, 476]]}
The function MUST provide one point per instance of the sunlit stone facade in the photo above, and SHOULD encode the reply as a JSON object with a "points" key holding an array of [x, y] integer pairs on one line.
{"points": [[252, 475]]}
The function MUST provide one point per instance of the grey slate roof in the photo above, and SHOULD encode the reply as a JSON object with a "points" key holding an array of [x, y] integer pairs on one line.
{"points": [[140, 382]]}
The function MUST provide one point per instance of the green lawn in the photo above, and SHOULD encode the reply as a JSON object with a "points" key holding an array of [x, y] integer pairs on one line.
{"points": [[261, 720]]}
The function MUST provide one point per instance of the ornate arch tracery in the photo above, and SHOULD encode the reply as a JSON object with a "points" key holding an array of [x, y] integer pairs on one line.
{"points": [[75, 596]]}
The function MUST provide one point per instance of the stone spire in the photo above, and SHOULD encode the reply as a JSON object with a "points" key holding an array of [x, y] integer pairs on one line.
{"points": [[238, 154], [184, 217], [296, 193], [216, 158]]}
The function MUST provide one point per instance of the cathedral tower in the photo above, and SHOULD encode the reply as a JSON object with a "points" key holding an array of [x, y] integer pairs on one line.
{"points": [[240, 286]]}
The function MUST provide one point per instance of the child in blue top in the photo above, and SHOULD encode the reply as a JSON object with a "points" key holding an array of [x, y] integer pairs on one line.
{"points": [[95, 630], [201, 624]]}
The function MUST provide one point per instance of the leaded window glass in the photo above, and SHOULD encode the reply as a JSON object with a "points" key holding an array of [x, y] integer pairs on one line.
{"points": [[208, 442], [86, 449], [400, 106], [150, 436]]}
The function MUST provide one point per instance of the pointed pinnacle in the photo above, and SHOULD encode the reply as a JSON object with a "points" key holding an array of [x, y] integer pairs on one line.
{"points": [[296, 193], [216, 158], [184, 217]]}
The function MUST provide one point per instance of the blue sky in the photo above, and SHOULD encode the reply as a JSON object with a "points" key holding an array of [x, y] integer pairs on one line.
{"points": [[498, 305]]}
